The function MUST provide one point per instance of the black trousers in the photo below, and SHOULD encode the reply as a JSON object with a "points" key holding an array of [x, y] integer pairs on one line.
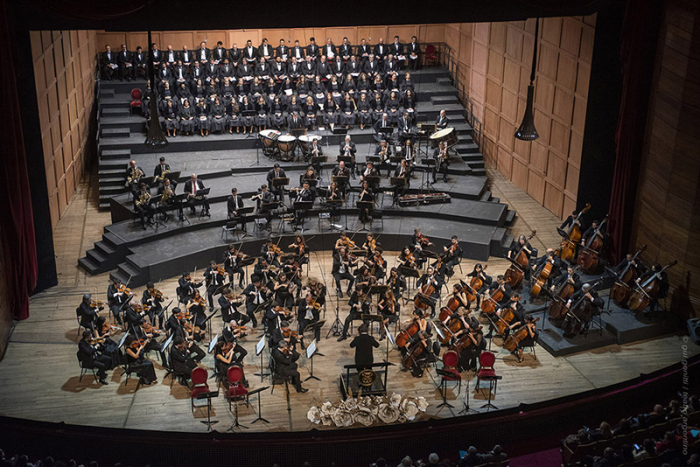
{"points": [[303, 323], [344, 276], [197, 353], [101, 364], [354, 314], [291, 372], [250, 309], [192, 202]]}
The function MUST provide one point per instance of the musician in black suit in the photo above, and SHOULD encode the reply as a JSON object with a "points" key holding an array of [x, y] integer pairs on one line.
{"points": [[170, 57], [87, 313], [363, 345], [342, 171], [430, 277], [569, 276], [275, 173], [109, 63], [285, 359], [405, 125], [590, 294], [297, 52], [294, 121], [442, 121], [254, 296], [181, 361], [348, 147], [413, 53], [186, 57], [233, 204], [265, 50], [219, 53], [140, 62], [235, 55], [250, 53], [124, 62], [382, 125], [214, 280], [192, 187], [345, 49], [442, 161], [371, 67], [329, 49], [312, 49], [282, 51], [396, 49], [203, 54], [161, 169], [539, 264], [89, 358], [380, 50], [229, 308], [308, 314]]}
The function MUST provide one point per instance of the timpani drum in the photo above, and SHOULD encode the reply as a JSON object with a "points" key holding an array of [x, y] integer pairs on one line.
{"points": [[448, 135], [286, 145], [268, 138], [306, 140]]}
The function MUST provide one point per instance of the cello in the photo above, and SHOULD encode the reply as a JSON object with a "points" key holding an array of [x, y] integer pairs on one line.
{"points": [[477, 281], [588, 256], [648, 291], [580, 314], [557, 307], [516, 272], [567, 247], [506, 317], [622, 288], [489, 305], [423, 296], [404, 336], [512, 341]]}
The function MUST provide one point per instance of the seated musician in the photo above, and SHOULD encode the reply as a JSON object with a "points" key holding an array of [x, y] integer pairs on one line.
{"points": [[360, 303], [117, 297], [469, 356], [229, 303], [87, 313], [526, 248], [256, 294], [590, 231], [529, 340], [478, 271], [186, 332], [301, 251], [383, 126], [233, 204], [503, 286], [104, 331], [366, 196], [276, 173], [188, 287], [315, 150], [626, 262], [342, 171], [389, 308], [265, 271], [197, 308], [192, 187], [91, 359], [363, 344], [409, 154], [270, 252], [317, 289], [264, 197], [431, 278], [348, 148], [548, 258], [377, 264], [231, 334], [663, 286], [293, 271], [167, 198], [407, 259], [306, 195], [569, 277], [426, 355], [587, 293], [135, 313], [142, 205], [214, 278], [459, 292], [152, 299], [309, 313], [225, 357], [383, 150], [285, 359], [442, 161], [284, 291], [161, 170], [232, 261], [518, 311], [403, 171], [396, 282], [181, 361], [453, 255], [365, 277], [442, 121], [569, 222], [341, 268], [405, 126], [369, 172], [138, 363]]}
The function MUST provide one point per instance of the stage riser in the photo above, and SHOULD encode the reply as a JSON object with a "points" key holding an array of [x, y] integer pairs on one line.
{"points": [[199, 258]]}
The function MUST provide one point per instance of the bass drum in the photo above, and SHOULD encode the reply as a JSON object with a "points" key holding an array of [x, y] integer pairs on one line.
{"points": [[268, 138], [306, 140], [448, 135], [286, 145]]}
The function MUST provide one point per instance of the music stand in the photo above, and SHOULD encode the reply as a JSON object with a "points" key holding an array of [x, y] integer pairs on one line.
{"points": [[258, 351], [301, 206], [258, 392], [340, 131], [208, 395], [491, 380], [297, 132], [349, 162], [180, 200], [466, 408], [200, 196], [212, 344], [389, 340], [369, 317], [249, 113], [430, 163], [310, 352], [279, 184], [312, 327], [368, 206]]}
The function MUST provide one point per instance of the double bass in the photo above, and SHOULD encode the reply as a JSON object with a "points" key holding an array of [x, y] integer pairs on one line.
{"points": [[622, 288], [516, 272], [588, 256], [567, 247], [542, 278], [512, 341], [646, 292], [580, 314], [557, 307]]}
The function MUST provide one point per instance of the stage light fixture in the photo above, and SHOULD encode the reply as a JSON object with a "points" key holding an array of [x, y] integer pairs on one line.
{"points": [[527, 131]]}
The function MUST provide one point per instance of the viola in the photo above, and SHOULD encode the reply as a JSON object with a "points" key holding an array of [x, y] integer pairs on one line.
{"points": [[622, 288], [588, 256], [512, 341], [515, 274], [649, 290], [567, 247]]}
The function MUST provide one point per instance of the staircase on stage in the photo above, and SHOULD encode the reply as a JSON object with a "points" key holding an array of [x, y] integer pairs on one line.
{"points": [[224, 161]]}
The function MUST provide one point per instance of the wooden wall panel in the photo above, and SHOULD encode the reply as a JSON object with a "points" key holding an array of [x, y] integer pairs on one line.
{"points": [[64, 69], [499, 61]]}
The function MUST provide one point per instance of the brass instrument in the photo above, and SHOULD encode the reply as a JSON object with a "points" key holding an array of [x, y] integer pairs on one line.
{"points": [[162, 175], [134, 176], [144, 198], [167, 193]]}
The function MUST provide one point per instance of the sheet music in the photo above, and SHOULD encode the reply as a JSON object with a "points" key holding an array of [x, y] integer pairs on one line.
{"points": [[311, 349], [260, 345]]}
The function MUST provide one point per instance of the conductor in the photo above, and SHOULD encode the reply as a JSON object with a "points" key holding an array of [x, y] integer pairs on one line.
{"points": [[363, 348]]}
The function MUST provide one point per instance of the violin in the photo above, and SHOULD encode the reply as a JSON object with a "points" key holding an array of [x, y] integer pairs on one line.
{"points": [[567, 248], [274, 250], [515, 274], [124, 289], [622, 288], [648, 291], [588, 256], [348, 243], [282, 311], [136, 343], [423, 240], [194, 330], [183, 315], [150, 329], [220, 270], [97, 304], [158, 295], [512, 341], [289, 334]]}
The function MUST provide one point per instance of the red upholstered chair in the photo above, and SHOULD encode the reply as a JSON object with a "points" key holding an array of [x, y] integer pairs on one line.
{"points": [[431, 55], [135, 99], [487, 373], [236, 390], [199, 384], [449, 373]]}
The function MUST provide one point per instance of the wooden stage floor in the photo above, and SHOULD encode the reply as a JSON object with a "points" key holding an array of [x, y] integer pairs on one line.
{"points": [[39, 374]]}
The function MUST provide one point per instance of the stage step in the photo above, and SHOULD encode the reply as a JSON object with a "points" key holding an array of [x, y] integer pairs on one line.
{"points": [[467, 147], [473, 157], [106, 92], [510, 218], [120, 132], [105, 248], [485, 196], [88, 265], [444, 100], [445, 80], [111, 181], [114, 112], [112, 190], [115, 154], [96, 257], [127, 272], [478, 172]]}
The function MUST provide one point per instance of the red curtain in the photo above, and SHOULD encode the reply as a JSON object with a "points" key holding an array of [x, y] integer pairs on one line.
{"points": [[638, 45], [16, 222]]}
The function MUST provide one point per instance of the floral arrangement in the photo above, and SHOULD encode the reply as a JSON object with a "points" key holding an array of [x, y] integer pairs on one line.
{"points": [[366, 410]]}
